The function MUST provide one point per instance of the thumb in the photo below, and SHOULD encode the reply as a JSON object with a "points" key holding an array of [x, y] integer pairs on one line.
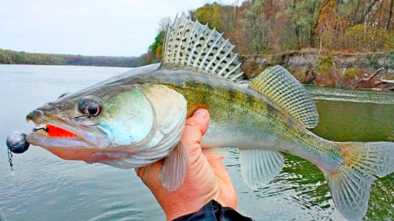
{"points": [[195, 128], [200, 119]]}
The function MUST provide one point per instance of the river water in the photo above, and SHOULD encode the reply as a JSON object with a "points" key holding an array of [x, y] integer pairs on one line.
{"points": [[43, 187]]}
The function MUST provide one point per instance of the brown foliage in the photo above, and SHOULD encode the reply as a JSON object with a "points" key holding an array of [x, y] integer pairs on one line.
{"points": [[273, 30]]}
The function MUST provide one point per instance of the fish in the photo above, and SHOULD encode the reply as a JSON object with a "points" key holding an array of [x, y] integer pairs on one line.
{"points": [[135, 119]]}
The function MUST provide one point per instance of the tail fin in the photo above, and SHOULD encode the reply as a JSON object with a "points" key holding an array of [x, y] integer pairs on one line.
{"points": [[362, 164]]}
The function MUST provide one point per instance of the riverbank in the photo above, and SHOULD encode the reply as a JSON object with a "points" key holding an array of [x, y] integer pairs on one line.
{"points": [[340, 44], [338, 69], [20, 57]]}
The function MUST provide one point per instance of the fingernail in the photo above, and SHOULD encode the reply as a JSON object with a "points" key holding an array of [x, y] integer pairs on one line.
{"points": [[200, 114]]}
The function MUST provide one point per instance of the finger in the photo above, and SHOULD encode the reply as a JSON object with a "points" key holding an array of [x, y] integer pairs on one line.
{"points": [[216, 162], [139, 172], [194, 129], [150, 173], [212, 153], [200, 119], [228, 196]]}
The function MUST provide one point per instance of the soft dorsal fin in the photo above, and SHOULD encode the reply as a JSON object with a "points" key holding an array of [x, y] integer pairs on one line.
{"points": [[191, 44], [288, 94]]}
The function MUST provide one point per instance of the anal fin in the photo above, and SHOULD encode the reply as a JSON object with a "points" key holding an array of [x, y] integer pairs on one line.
{"points": [[258, 167]]}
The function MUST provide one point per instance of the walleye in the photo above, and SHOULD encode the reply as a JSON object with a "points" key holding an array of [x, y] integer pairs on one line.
{"points": [[135, 119]]}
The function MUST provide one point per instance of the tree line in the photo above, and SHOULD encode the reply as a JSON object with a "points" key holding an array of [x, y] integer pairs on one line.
{"points": [[336, 43], [267, 26], [16, 57]]}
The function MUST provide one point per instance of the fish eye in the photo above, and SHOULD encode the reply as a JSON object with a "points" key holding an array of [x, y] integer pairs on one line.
{"points": [[89, 106]]}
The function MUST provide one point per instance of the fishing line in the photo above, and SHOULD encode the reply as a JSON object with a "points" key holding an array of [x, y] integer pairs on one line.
{"points": [[10, 156]]}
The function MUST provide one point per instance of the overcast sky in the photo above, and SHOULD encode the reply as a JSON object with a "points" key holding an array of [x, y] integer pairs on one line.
{"points": [[88, 27]]}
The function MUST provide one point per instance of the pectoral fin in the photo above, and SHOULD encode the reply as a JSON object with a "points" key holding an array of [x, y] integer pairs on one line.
{"points": [[174, 169], [258, 167]]}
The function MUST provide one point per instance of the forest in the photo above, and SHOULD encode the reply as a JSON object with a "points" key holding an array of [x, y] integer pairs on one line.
{"points": [[15, 57], [340, 43], [336, 43]]}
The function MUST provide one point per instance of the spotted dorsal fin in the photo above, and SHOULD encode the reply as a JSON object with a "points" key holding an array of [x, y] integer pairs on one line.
{"points": [[193, 45], [277, 84]]}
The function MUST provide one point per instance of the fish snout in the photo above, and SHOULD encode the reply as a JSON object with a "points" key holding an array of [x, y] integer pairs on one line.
{"points": [[36, 116], [39, 115]]}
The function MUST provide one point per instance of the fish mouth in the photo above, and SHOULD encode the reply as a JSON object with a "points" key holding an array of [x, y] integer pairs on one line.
{"points": [[51, 135], [54, 132], [72, 143]]}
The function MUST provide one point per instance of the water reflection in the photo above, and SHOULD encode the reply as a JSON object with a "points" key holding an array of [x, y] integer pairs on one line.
{"points": [[47, 188]]}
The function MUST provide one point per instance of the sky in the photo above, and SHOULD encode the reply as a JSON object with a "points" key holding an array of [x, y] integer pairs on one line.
{"points": [[87, 27]]}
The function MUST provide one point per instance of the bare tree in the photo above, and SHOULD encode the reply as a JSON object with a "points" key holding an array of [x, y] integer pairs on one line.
{"points": [[390, 15]]}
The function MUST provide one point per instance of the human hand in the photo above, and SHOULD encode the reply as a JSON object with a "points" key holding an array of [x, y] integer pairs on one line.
{"points": [[206, 176]]}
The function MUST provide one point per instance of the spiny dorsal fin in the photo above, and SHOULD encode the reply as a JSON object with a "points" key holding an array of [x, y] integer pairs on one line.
{"points": [[191, 44], [288, 94]]}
